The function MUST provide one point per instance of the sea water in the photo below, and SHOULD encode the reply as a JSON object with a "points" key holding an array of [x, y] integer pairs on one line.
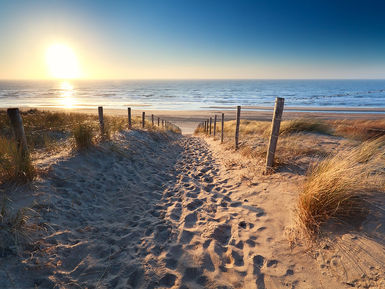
{"points": [[192, 94]]}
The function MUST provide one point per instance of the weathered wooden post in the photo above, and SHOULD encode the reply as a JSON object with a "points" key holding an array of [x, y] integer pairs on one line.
{"points": [[222, 127], [237, 127], [101, 120], [210, 125], [215, 125], [18, 130], [152, 119], [129, 118], [143, 118], [207, 129], [275, 125], [162, 122], [158, 121]]}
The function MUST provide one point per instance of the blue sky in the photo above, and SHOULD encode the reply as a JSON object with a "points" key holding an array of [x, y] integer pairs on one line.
{"points": [[198, 39]]}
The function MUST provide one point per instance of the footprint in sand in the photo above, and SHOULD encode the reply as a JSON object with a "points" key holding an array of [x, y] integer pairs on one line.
{"points": [[194, 204]]}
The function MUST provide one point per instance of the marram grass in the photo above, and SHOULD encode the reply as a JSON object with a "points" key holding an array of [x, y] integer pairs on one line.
{"points": [[339, 189]]}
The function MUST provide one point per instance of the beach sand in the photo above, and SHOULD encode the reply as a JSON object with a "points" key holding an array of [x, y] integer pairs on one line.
{"points": [[149, 210]]}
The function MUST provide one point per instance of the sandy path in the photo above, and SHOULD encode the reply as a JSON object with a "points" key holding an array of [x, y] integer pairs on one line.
{"points": [[158, 212]]}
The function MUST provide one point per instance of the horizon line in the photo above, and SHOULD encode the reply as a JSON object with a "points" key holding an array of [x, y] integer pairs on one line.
{"points": [[181, 79]]}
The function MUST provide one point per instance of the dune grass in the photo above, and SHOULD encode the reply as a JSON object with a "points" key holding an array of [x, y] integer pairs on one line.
{"points": [[15, 226], [83, 135], [13, 165], [339, 188], [296, 140], [358, 129], [298, 137], [305, 125], [48, 131]]}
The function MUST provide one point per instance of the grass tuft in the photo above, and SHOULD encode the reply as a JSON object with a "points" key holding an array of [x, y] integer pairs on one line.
{"points": [[83, 135], [15, 226], [14, 166], [340, 187], [304, 125]]}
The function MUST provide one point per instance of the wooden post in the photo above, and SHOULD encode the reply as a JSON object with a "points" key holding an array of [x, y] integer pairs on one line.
{"points": [[222, 127], [129, 118], [215, 125], [143, 118], [237, 127], [162, 122], [210, 125], [18, 130], [275, 125], [207, 129], [158, 121], [152, 119], [101, 120]]}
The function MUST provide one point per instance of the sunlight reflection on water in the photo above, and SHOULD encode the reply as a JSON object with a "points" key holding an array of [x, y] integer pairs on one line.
{"points": [[66, 94]]}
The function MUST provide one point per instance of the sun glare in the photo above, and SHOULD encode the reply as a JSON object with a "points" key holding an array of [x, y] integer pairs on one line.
{"points": [[67, 98], [62, 62]]}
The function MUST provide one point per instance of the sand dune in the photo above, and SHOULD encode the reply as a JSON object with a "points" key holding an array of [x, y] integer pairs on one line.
{"points": [[150, 210]]}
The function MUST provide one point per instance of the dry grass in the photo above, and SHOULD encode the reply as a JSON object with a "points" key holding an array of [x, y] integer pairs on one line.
{"points": [[13, 165], [83, 135], [15, 226], [339, 188], [296, 140], [48, 132], [304, 125], [358, 129]]}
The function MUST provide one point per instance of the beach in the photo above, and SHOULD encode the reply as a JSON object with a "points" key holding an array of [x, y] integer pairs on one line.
{"points": [[192, 145], [150, 209]]}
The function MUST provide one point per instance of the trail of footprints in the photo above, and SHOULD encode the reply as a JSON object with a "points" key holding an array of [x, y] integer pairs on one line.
{"points": [[168, 221], [217, 236]]}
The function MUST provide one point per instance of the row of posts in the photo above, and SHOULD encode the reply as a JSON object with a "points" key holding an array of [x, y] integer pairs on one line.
{"points": [[160, 121], [208, 124], [275, 126], [18, 128]]}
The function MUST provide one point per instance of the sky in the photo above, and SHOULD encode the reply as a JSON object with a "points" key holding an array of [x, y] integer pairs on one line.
{"points": [[208, 39]]}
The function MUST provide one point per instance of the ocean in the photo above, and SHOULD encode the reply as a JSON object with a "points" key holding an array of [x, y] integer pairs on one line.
{"points": [[192, 94]]}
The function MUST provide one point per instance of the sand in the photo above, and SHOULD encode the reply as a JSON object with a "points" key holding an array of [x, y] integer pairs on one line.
{"points": [[149, 210]]}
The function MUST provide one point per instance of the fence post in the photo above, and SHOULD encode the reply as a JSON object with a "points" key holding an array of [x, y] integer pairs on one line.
{"points": [[207, 129], [275, 125], [143, 118], [18, 130], [162, 122], [215, 125], [210, 125], [223, 125], [158, 121], [237, 127], [205, 126], [152, 119], [101, 120], [129, 118]]}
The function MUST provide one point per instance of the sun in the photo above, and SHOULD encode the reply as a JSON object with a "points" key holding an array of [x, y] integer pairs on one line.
{"points": [[62, 61]]}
